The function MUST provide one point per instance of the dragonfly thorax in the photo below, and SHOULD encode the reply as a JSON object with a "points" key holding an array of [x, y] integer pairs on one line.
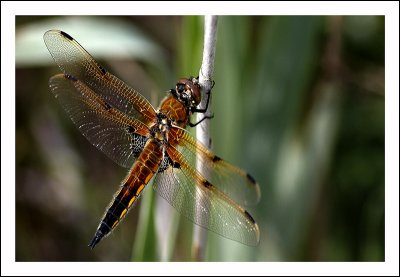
{"points": [[181, 102], [160, 129]]}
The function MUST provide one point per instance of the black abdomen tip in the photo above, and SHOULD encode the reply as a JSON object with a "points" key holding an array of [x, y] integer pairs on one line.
{"points": [[97, 238], [95, 241]]}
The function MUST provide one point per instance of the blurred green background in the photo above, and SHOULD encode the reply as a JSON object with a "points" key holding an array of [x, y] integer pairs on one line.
{"points": [[298, 102]]}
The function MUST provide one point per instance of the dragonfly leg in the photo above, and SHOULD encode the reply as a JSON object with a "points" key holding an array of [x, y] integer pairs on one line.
{"points": [[201, 120]]}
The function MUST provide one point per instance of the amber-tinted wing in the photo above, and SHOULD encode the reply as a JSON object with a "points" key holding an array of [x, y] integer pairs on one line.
{"points": [[110, 114], [107, 128], [202, 202], [231, 180], [75, 61]]}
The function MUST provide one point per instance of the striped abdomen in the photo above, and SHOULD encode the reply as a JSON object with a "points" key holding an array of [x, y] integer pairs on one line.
{"points": [[140, 174]]}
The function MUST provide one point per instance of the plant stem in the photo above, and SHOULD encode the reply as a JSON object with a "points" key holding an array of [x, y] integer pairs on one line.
{"points": [[203, 129]]}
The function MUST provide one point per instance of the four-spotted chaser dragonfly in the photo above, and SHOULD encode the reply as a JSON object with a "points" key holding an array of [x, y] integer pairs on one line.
{"points": [[153, 144]]}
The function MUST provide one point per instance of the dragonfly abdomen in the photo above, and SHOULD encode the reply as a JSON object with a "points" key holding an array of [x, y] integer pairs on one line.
{"points": [[140, 174]]}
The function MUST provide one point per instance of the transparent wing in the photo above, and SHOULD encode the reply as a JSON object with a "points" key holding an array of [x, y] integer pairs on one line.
{"points": [[231, 180], [75, 61], [201, 202], [120, 137]]}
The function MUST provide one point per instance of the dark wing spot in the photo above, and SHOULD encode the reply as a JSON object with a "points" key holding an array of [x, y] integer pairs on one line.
{"points": [[177, 165], [70, 77], [107, 106], [64, 34], [251, 179], [102, 69], [216, 158], [130, 129], [249, 217], [207, 184]]}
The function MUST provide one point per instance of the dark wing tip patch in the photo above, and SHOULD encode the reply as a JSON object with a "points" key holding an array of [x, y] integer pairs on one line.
{"points": [[249, 216], [251, 179], [64, 34], [216, 158]]}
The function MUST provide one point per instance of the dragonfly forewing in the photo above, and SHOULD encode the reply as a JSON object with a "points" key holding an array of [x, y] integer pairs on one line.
{"points": [[75, 61]]}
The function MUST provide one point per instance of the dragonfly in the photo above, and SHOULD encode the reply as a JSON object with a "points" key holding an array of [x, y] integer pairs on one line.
{"points": [[152, 143]]}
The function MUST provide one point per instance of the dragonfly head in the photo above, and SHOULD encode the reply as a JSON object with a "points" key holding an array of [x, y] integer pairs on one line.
{"points": [[188, 91]]}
